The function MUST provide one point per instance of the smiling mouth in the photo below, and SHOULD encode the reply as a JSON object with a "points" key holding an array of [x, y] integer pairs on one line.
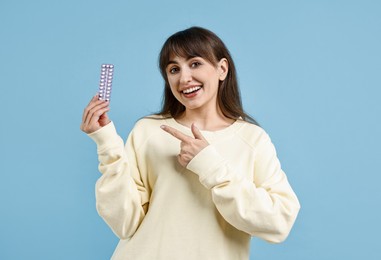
{"points": [[191, 90]]}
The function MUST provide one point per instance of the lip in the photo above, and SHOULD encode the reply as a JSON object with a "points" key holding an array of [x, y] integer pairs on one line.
{"points": [[191, 94], [189, 87]]}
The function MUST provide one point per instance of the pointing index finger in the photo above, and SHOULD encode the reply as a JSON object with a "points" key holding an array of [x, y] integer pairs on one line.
{"points": [[176, 133]]}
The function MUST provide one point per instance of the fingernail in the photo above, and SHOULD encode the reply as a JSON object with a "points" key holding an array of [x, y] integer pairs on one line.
{"points": [[162, 126]]}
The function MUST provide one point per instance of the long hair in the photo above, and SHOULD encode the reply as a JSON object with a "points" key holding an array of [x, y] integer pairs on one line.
{"points": [[200, 42]]}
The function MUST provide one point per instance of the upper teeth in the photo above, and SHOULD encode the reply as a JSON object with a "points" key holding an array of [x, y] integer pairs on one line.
{"points": [[189, 90]]}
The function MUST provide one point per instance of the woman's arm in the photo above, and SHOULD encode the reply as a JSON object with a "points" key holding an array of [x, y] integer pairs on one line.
{"points": [[266, 207], [121, 198]]}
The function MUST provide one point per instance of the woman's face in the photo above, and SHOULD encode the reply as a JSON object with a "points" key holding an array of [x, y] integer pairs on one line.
{"points": [[194, 81]]}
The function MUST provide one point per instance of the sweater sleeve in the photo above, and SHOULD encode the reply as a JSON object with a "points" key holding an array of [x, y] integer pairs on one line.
{"points": [[264, 206], [120, 194]]}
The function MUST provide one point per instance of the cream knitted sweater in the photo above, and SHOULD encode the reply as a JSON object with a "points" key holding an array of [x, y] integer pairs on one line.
{"points": [[232, 190]]}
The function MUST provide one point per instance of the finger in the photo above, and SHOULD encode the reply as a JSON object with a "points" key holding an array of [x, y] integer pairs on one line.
{"points": [[98, 114], [197, 133], [181, 160], [93, 102], [96, 121], [85, 111], [87, 114], [176, 133], [95, 97], [93, 110]]}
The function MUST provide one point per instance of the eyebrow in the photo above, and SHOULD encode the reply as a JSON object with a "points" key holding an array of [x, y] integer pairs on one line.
{"points": [[171, 62], [175, 62]]}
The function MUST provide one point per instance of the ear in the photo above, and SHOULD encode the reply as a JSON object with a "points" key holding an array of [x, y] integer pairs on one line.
{"points": [[223, 68]]}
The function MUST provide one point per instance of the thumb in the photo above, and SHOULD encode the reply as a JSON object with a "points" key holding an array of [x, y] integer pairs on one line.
{"points": [[196, 132]]}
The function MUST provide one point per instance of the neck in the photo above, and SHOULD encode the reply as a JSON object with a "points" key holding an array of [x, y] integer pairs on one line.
{"points": [[209, 120]]}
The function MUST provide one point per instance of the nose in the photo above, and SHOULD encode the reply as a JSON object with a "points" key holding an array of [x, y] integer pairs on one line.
{"points": [[185, 76]]}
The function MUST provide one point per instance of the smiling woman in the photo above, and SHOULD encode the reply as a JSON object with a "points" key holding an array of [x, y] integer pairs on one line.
{"points": [[195, 82], [203, 44], [205, 185]]}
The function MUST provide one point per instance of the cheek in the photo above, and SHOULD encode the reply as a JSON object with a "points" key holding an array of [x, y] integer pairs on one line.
{"points": [[172, 84]]}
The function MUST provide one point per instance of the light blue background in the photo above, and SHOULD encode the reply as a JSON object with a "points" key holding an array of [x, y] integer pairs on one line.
{"points": [[309, 73]]}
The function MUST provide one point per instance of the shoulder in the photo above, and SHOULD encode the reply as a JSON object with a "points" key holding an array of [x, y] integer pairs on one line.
{"points": [[146, 128], [252, 134], [150, 121]]}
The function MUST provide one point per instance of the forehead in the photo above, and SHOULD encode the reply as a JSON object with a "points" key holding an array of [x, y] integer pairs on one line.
{"points": [[173, 58], [187, 51]]}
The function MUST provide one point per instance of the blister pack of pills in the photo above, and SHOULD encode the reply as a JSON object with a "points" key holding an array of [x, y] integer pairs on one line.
{"points": [[105, 83]]}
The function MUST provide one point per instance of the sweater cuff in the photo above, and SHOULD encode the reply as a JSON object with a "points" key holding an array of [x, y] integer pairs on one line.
{"points": [[104, 135], [206, 164]]}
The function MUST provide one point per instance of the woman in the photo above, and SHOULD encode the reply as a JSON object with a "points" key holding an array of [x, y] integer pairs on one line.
{"points": [[197, 180]]}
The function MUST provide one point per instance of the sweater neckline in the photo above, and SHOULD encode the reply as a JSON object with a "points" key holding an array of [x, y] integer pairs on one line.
{"points": [[209, 135]]}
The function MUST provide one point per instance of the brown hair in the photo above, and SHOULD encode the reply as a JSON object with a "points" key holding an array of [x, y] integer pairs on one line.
{"points": [[200, 42]]}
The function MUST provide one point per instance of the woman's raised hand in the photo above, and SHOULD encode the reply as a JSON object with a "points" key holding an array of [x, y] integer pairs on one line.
{"points": [[95, 115], [189, 146]]}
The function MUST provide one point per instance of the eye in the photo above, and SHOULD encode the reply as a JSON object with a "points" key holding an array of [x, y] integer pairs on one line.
{"points": [[173, 70], [195, 64]]}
